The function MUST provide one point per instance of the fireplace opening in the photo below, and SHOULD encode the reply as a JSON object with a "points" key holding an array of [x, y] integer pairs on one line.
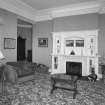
{"points": [[74, 68]]}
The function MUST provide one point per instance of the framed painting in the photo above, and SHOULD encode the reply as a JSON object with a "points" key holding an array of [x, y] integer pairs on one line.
{"points": [[79, 43], [9, 43], [69, 43], [42, 42]]}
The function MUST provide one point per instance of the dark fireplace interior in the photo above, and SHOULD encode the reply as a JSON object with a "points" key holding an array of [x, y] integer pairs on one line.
{"points": [[74, 68]]}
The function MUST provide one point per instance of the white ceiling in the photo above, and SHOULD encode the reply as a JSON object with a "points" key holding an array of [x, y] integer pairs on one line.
{"points": [[46, 4]]}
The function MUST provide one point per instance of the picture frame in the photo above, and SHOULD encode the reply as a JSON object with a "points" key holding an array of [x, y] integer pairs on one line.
{"points": [[79, 43], [69, 43], [42, 42], [9, 43]]}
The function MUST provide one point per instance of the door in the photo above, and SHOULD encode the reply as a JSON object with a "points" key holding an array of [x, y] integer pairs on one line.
{"points": [[21, 48]]}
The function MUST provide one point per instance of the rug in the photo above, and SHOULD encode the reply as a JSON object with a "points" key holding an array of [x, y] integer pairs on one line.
{"points": [[37, 92]]}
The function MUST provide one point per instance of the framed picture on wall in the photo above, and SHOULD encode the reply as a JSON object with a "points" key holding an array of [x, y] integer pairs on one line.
{"points": [[69, 43], [9, 43], [42, 42], [79, 43]]}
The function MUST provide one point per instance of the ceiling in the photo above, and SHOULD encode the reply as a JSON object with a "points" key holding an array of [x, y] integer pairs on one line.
{"points": [[46, 4]]}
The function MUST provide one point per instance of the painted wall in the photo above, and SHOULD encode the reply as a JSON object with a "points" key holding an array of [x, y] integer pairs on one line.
{"points": [[101, 38], [8, 29], [42, 54], [79, 22], [44, 29]]}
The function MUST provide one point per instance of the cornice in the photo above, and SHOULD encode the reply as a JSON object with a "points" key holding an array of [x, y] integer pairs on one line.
{"points": [[43, 15], [20, 8], [77, 9], [69, 10]]}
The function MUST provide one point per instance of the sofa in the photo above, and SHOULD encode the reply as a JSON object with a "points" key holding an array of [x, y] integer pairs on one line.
{"points": [[27, 68], [21, 71]]}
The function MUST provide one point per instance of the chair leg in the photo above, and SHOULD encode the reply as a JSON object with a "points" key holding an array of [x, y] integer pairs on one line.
{"points": [[3, 85], [75, 90]]}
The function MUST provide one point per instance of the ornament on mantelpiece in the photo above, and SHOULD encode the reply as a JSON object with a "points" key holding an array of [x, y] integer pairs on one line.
{"points": [[58, 49], [72, 53], [91, 40], [57, 41], [91, 52], [58, 46], [55, 62]]}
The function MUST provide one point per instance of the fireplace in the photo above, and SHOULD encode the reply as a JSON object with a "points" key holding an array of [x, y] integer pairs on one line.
{"points": [[74, 68], [75, 52]]}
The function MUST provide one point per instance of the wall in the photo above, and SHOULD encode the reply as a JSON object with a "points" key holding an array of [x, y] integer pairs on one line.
{"points": [[79, 22], [42, 54], [44, 29], [8, 29], [101, 38]]}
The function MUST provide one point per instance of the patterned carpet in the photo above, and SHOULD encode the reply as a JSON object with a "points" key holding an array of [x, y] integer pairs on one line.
{"points": [[37, 92]]}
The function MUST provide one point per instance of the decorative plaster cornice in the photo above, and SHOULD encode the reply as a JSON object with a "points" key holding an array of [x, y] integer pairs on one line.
{"points": [[69, 10], [26, 19], [20, 8], [77, 9], [43, 15]]}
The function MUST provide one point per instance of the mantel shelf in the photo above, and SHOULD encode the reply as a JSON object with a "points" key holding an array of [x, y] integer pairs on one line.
{"points": [[73, 55]]}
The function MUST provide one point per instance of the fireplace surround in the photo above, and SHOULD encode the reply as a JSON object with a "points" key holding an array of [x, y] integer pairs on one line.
{"points": [[80, 48], [74, 68]]}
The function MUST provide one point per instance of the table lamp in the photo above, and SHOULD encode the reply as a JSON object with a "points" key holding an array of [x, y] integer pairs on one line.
{"points": [[1, 55], [1, 58]]}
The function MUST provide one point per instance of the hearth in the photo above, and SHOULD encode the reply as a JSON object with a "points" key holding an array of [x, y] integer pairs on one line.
{"points": [[74, 68]]}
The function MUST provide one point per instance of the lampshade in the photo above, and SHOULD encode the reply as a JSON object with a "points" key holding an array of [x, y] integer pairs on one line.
{"points": [[1, 55]]}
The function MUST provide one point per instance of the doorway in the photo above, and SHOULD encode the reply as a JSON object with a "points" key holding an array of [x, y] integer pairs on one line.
{"points": [[24, 40], [21, 48]]}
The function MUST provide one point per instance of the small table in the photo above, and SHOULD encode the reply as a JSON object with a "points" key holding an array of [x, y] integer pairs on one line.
{"points": [[69, 79]]}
